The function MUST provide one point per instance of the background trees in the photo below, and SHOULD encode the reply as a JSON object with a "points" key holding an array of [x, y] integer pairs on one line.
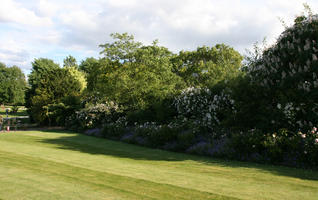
{"points": [[12, 85]]}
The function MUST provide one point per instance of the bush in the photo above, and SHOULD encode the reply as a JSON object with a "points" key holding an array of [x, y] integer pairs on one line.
{"points": [[288, 72], [204, 107], [115, 130], [95, 116]]}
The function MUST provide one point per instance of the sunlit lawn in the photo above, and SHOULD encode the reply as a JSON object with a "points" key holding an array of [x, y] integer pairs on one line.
{"points": [[61, 165]]}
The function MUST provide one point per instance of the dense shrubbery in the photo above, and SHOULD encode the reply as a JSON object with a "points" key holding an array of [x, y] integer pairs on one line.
{"points": [[288, 72]]}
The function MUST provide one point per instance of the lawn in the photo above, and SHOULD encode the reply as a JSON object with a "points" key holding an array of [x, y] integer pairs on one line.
{"points": [[62, 165]]}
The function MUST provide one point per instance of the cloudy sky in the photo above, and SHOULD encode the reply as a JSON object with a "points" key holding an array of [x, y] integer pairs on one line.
{"points": [[57, 28]]}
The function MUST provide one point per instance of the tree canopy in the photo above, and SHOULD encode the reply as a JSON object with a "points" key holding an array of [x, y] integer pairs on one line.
{"points": [[12, 85], [207, 66], [50, 85]]}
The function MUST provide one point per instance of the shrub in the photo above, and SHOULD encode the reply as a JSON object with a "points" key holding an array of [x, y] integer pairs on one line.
{"points": [[115, 130], [95, 116], [204, 107], [288, 72]]}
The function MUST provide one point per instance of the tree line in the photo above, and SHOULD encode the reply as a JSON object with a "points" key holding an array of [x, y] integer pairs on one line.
{"points": [[137, 77]]}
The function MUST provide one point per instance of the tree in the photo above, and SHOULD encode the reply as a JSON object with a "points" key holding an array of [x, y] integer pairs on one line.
{"points": [[71, 66], [70, 61], [207, 65], [12, 85], [92, 68], [133, 75], [50, 86], [122, 49]]}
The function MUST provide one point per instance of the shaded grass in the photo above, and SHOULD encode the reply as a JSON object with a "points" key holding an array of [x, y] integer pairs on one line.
{"points": [[61, 165]]}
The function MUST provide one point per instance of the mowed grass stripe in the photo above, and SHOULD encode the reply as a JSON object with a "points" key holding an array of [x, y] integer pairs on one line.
{"points": [[103, 182], [224, 178]]}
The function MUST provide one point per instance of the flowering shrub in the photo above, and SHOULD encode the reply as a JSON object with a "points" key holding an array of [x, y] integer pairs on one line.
{"points": [[205, 108], [288, 70], [281, 147], [115, 130], [95, 115]]}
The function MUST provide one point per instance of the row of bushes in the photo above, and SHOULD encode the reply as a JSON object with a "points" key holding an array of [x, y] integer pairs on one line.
{"points": [[260, 114], [284, 147]]}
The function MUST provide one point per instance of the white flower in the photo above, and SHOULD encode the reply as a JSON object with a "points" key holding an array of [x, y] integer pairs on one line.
{"points": [[283, 74], [307, 46], [195, 75], [314, 57], [279, 106]]}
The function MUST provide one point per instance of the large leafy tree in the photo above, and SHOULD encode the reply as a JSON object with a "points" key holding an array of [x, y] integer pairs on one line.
{"points": [[206, 66], [134, 75], [12, 85], [51, 87], [146, 81]]}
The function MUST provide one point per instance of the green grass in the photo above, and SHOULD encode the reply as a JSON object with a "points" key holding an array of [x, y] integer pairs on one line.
{"points": [[61, 165]]}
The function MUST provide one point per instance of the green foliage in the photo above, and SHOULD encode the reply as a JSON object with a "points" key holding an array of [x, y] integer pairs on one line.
{"points": [[95, 116], [71, 66], [132, 75], [123, 49], [114, 130], [70, 61], [280, 147], [12, 85], [50, 85], [93, 69], [14, 109], [287, 72], [161, 111], [207, 65]]}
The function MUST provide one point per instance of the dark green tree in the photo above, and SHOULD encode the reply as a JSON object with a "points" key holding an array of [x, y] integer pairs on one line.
{"points": [[50, 88]]}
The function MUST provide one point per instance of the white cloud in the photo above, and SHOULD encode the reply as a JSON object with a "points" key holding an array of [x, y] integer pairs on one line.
{"points": [[11, 11], [46, 8], [13, 53], [54, 27]]}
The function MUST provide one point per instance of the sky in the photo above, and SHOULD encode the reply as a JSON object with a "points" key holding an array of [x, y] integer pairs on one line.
{"points": [[54, 29]]}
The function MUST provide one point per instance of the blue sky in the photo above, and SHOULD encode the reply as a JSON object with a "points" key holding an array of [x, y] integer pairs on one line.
{"points": [[54, 29]]}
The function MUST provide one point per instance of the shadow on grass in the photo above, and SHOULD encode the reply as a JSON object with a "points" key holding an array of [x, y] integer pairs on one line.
{"points": [[93, 145]]}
